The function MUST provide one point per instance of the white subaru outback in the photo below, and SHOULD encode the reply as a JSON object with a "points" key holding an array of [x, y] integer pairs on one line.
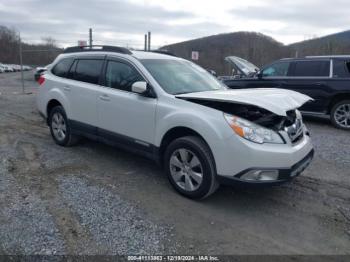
{"points": [[177, 114]]}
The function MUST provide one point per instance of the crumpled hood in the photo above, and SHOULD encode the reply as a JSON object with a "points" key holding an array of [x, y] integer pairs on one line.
{"points": [[277, 101]]}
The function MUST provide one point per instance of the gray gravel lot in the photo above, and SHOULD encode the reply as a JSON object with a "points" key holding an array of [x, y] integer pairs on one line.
{"points": [[95, 199]]}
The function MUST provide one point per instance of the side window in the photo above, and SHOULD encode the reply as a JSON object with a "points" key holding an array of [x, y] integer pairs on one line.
{"points": [[311, 68], [62, 67], [278, 69], [88, 70], [121, 76], [341, 68]]}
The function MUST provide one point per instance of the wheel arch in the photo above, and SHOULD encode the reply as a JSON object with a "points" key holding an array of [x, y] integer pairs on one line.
{"points": [[336, 99], [51, 104], [205, 123], [174, 133], [56, 97]]}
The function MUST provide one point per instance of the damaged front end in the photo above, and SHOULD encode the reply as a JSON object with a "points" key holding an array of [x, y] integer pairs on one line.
{"points": [[288, 127]]}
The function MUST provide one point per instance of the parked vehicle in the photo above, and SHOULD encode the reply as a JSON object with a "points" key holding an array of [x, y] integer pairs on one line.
{"points": [[176, 113], [2, 69], [324, 78], [27, 68], [16, 68], [8, 69]]}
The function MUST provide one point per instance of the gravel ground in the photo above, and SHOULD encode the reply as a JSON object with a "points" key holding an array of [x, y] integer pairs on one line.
{"points": [[124, 230], [95, 199]]}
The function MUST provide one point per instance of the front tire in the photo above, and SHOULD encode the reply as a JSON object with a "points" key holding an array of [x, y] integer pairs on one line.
{"points": [[190, 167], [340, 115], [60, 128]]}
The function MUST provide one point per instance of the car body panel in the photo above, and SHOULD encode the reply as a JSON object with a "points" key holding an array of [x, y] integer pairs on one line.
{"points": [[127, 114], [277, 101]]}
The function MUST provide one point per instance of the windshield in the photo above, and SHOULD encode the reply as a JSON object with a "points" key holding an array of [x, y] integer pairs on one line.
{"points": [[181, 76]]}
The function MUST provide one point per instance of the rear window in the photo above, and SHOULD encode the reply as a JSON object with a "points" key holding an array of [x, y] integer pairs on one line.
{"points": [[62, 67], [341, 68], [311, 68], [88, 70]]}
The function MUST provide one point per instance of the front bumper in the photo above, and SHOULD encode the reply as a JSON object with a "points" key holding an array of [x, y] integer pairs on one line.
{"points": [[283, 174]]}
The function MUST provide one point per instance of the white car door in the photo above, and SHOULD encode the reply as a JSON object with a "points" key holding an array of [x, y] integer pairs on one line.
{"points": [[124, 116], [82, 92]]}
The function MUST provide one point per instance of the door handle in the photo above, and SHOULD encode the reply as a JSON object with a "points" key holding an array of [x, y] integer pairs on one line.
{"points": [[105, 98], [66, 88]]}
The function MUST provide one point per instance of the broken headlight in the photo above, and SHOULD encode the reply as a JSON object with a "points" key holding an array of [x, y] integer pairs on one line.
{"points": [[252, 132]]}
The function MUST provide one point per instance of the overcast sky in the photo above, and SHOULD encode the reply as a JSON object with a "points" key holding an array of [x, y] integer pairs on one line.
{"points": [[124, 22]]}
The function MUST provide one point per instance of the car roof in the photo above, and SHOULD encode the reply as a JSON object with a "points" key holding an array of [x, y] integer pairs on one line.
{"points": [[329, 56], [152, 55], [117, 51], [140, 55], [325, 57]]}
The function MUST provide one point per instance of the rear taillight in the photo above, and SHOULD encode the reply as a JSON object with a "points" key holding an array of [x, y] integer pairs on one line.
{"points": [[41, 80]]}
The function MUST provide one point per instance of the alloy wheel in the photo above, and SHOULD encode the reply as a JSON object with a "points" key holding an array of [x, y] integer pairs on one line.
{"points": [[59, 127], [342, 115], [186, 169]]}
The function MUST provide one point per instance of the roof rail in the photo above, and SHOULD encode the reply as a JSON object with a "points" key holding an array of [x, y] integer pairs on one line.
{"points": [[328, 56], [96, 48]]}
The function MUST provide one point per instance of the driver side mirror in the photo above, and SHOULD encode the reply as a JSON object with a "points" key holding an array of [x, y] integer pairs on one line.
{"points": [[139, 87], [142, 88], [259, 75]]}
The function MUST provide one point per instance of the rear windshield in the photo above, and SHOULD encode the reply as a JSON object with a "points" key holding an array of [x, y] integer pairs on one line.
{"points": [[181, 76]]}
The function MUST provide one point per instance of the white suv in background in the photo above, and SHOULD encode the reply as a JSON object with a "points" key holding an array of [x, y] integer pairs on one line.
{"points": [[175, 112]]}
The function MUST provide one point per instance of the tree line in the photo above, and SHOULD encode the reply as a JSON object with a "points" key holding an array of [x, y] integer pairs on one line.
{"points": [[256, 48], [32, 54]]}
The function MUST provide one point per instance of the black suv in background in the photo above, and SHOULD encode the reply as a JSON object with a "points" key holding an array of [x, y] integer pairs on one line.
{"points": [[324, 78]]}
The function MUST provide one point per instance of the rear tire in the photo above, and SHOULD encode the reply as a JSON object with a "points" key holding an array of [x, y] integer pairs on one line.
{"points": [[60, 128], [340, 115], [190, 167]]}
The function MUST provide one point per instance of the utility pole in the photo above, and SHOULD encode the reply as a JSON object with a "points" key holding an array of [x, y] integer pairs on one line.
{"points": [[21, 60], [149, 41], [145, 42], [90, 37]]}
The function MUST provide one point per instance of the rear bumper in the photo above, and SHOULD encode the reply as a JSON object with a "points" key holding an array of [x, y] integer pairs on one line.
{"points": [[284, 174]]}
